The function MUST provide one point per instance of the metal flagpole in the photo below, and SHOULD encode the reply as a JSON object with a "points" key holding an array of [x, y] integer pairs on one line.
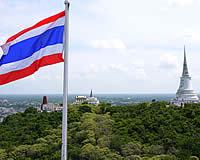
{"points": [[65, 84]]}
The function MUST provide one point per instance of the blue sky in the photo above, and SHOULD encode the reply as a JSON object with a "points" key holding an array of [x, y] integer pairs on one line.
{"points": [[127, 46]]}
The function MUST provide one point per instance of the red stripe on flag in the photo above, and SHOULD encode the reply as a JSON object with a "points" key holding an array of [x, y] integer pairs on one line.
{"points": [[41, 23], [44, 61]]}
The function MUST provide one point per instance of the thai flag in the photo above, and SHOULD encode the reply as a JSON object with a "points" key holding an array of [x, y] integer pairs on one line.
{"points": [[32, 48]]}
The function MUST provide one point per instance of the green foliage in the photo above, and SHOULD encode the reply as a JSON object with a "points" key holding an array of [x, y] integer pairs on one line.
{"points": [[163, 157], [3, 154], [21, 135], [194, 158], [131, 149], [85, 108], [147, 131]]}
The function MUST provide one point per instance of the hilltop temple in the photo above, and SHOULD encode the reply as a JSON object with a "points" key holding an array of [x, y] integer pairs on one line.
{"points": [[89, 100], [185, 92], [92, 99]]}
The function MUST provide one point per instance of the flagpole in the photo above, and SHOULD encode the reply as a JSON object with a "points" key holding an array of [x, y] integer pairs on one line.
{"points": [[65, 84]]}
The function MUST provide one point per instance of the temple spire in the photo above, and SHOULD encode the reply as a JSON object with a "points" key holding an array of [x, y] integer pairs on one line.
{"points": [[91, 94], [185, 68]]}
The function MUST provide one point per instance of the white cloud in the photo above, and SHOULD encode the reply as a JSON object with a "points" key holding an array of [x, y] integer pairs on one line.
{"points": [[108, 44], [181, 3], [118, 68], [168, 61], [196, 76], [193, 37], [140, 74], [93, 68], [58, 77], [3, 39], [125, 70], [138, 64], [31, 78]]}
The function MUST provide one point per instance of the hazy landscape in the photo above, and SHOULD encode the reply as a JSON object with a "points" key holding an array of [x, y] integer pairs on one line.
{"points": [[109, 98]]}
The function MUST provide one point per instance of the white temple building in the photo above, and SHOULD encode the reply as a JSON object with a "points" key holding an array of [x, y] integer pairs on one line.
{"points": [[185, 92], [92, 100], [80, 99], [84, 99]]}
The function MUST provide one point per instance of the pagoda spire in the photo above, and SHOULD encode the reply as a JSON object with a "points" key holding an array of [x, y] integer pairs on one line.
{"points": [[185, 68], [91, 94]]}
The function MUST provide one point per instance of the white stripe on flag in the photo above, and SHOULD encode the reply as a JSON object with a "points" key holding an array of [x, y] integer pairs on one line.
{"points": [[14, 66]]}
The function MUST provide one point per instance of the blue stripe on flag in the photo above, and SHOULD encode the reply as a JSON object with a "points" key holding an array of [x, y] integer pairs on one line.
{"points": [[28, 47]]}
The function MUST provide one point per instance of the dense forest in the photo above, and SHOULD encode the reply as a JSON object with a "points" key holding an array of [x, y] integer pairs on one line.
{"points": [[146, 131]]}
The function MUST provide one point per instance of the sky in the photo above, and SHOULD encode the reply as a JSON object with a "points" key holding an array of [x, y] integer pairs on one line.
{"points": [[127, 46]]}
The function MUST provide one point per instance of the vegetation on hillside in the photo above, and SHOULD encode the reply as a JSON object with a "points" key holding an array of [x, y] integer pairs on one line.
{"points": [[147, 131]]}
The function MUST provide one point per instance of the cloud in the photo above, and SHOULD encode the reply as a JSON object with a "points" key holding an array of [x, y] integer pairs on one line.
{"points": [[118, 68], [196, 76], [168, 61], [193, 37], [128, 71], [108, 44], [31, 78], [125, 71], [181, 3], [140, 74], [138, 70], [93, 68]]}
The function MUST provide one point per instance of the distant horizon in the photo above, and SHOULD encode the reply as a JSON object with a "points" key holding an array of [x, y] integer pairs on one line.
{"points": [[93, 93]]}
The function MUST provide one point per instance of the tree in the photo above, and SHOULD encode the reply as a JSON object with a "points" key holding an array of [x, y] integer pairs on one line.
{"points": [[131, 149]]}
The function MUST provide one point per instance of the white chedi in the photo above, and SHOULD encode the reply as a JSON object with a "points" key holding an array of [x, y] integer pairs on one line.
{"points": [[185, 92]]}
